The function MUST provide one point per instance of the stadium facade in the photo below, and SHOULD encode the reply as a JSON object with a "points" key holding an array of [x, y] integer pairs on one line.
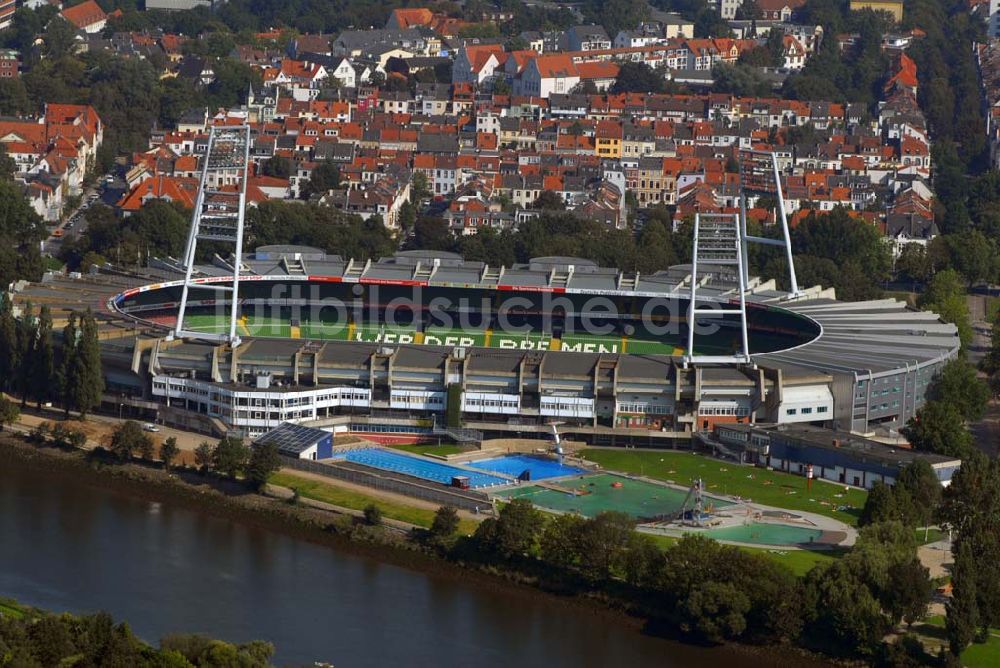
{"points": [[403, 345]]}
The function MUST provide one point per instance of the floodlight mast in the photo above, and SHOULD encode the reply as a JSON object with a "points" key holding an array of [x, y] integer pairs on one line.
{"points": [[721, 245], [759, 173], [218, 216], [718, 245]]}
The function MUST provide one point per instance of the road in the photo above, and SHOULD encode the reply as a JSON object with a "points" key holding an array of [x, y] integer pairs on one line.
{"points": [[75, 222]]}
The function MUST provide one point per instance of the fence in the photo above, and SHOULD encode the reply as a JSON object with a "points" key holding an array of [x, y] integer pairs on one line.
{"points": [[397, 483]]}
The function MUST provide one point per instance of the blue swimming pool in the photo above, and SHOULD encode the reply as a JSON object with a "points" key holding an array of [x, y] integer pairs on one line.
{"points": [[539, 467], [420, 468]]}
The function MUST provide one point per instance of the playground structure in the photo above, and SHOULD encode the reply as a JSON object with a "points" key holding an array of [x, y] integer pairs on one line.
{"points": [[693, 508]]}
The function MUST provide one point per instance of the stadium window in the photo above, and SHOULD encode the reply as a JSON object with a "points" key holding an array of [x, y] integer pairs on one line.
{"points": [[790, 411], [806, 411], [821, 409]]}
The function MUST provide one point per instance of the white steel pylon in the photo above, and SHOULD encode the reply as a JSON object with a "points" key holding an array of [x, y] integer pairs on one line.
{"points": [[759, 174], [718, 248], [218, 216]]}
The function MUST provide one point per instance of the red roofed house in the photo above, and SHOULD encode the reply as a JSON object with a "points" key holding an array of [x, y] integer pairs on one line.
{"points": [[778, 10], [169, 188], [86, 16], [417, 17], [794, 52], [475, 63], [410, 17], [57, 149], [905, 77], [558, 73]]}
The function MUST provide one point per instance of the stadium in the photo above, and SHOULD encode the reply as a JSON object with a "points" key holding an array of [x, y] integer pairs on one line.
{"points": [[388, 348]]}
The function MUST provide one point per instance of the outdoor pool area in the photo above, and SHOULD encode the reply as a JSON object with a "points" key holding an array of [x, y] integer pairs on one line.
{"points": [[597, 493], [766, 534], [540, 468], [398, 462]]}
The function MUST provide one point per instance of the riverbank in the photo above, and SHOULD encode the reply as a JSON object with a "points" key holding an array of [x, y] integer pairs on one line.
{"points": [[96, 639], [233, 502]]}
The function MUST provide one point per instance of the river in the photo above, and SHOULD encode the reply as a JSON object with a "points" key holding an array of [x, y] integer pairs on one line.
{"points": [[65, 545]]}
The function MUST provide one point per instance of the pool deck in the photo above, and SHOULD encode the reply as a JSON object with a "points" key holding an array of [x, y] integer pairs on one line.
{"points": [[835, 534]]}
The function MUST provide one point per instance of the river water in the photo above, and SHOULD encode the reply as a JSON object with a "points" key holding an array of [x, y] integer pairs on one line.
{"points": [[65, 545]]}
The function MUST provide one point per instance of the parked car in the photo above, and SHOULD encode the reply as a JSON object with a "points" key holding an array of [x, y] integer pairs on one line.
{"points": [[149, 426]]}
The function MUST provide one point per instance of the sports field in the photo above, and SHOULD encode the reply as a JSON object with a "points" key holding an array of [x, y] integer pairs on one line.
{"points": [[593, 494], [639, 343]]}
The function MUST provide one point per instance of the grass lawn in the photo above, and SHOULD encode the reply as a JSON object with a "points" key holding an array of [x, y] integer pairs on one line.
{"points": [[799, 562], [348, 498], [933, 536], [429, 449], [52, 264], [985, 655], [771, 488]]}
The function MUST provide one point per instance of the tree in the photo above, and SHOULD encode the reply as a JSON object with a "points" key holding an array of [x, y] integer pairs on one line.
{"points": [[373, 515], [843, 616], [8, 342], [27, 331], [974, 255], [913, 263], [264, 462], [990, 362], [939, 427], [158, 228], [859, 256], [445, 523], [603, 542], [636, 77], [431, 233], [908, 592], [277, 166], [918, 481], [962, 610], [945, 295], [512, 534], [177, 96], [127, 439], [549, 201], [70, 368], [204, 455], [9, 412], [716, 611], [957, 384], [230, 456], [147, 448], [84, 381], [419, 187], [14, 100], [880, 506], [43, 362], [59, 37], [643, 561], [324, 177], [169, 452], [740, 79], [560, 544]]}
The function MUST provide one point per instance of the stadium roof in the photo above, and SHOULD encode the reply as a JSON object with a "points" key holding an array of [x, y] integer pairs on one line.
{"points": [[869, 338]]}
